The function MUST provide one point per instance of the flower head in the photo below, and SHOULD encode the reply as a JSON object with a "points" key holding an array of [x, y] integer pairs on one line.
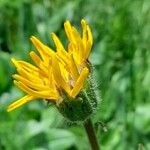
{"points": [[55, 73]]}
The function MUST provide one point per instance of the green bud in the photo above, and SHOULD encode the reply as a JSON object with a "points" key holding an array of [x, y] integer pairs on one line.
{"points": [[81, 107]]}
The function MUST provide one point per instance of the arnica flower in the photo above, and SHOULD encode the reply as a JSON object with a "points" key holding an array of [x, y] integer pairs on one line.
{"points": [[62, 77]]}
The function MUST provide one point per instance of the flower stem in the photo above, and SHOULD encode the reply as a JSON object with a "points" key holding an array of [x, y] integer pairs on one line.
{"points": [[88, 125]]}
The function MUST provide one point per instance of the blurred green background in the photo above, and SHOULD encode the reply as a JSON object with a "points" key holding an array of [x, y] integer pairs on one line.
{"points": [[121, 60]]}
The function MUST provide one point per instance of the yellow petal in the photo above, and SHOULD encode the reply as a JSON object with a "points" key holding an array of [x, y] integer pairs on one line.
{"points": [[73, 49], [37, 60], [68, 30], [39, 46], [79, 83], [84, 28], [20, 102], [87, 38], [39, 63], [58, 76], [58, 44], [30, 84], [30, 76], [42, 49], [61, 52], [51, 80], [27, 66], [79, 43], [47, 94], [88, 50], [73, 68], [90, 37], [15, 62]]}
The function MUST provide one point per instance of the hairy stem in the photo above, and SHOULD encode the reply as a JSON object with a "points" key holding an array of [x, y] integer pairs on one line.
{"points": [[88, 125]]}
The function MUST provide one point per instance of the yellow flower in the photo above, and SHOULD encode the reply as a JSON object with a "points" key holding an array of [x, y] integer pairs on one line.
{"points": [[55, 72]]}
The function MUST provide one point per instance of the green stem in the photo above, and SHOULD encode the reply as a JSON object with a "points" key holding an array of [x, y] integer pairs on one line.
{"points": [[88, 125]]}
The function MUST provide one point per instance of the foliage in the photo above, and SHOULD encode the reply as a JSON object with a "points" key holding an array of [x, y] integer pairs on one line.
{"points": [[120, 57]]}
